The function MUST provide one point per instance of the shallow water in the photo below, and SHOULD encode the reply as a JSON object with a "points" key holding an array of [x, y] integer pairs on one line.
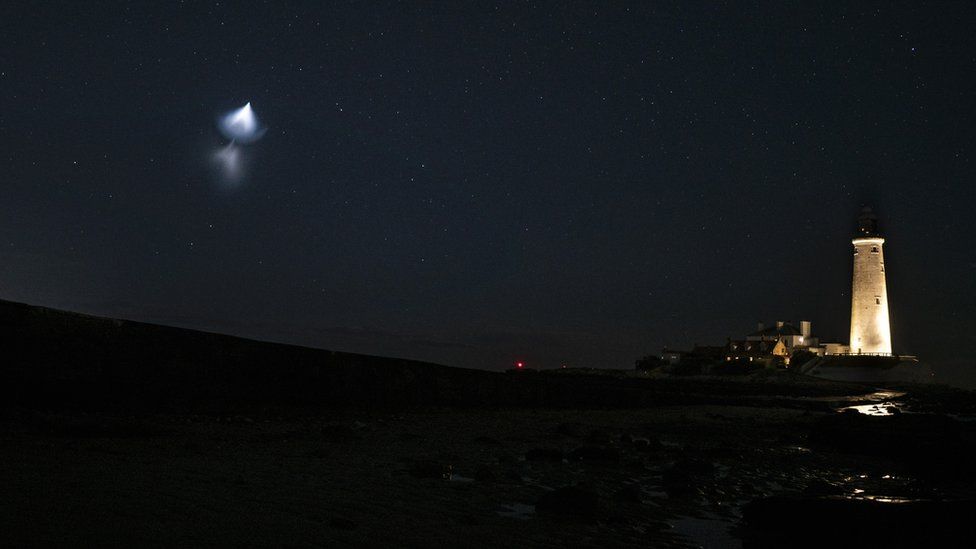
{"points": [[520, 511], [883, 409], [706, 532], [878, 403]]}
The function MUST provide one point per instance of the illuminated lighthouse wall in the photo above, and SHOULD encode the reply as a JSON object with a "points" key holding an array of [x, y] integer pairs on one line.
{"points": [[870, 328]]}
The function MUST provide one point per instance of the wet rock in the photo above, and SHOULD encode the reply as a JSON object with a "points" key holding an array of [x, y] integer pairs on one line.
{"points": [[678, 483], [580, 503], [95, 427], [823, 488], [506, 459], [569, 429], [485, 473], [488, 441], [686, 476], [340, 523], [595, 453], [518, 511], [649, 429], [748, 488], [695, 467], [645, 444], [551, 455], [511, 475], [337, 432], [423, 468], [447, 457], [837, 522], [630, 493], [934, 447], [599, 437], [321, 453]]}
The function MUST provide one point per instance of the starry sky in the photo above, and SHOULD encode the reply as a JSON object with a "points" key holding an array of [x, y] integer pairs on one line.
{"points": [[476, 183]]}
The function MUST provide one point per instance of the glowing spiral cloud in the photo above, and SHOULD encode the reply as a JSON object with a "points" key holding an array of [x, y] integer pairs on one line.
{"points": [[241, 125]]}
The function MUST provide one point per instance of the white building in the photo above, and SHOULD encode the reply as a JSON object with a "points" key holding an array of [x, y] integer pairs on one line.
{"points": [[870, 328]]}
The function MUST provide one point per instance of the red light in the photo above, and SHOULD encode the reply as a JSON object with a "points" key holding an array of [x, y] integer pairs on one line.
{"points": [[519, 365]]}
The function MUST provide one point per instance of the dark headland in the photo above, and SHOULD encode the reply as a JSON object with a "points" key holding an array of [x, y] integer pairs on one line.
{"points": [[118, 433]]}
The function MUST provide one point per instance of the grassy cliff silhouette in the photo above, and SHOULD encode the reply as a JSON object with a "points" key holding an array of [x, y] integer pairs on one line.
{"points": [[61, 360]]}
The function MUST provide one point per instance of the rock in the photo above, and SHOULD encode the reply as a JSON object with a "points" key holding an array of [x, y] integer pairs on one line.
{"points": [[489, 441], [695, 466], [595, 453], [506, 459], [569, 429], [629, 493], [685, 476], [930, 446], [512, 475], [342, 523], [785, 521], [643, 444], [599, 436], [577, 502], [544, 454], [321, 453], [423, 468], [485, 473], [337, 432], [823, 488]]}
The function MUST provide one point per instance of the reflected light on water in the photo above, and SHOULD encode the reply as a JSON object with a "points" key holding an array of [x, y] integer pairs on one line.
{"points": [[873, 409], [891, 500]]}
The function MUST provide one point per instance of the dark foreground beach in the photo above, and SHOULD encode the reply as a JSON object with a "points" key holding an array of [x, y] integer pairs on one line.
{"points": [[668, 476], [124, 435]]}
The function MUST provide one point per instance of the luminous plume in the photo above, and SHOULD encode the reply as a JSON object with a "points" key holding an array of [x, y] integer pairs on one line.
{"points": [[241, 125]]}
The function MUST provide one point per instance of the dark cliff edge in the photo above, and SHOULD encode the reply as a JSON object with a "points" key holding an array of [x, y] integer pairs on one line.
{"points": [[60, 360]]}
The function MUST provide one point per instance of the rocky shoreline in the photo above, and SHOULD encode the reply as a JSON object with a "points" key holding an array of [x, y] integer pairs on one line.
{"points": [[669, 475], [120, 434]]}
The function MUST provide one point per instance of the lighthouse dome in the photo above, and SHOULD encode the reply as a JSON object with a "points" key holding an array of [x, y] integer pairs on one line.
{"points": [[867, 223]]}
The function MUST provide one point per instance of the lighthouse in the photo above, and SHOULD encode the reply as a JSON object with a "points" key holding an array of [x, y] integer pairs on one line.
{"points": [[870, 328]]}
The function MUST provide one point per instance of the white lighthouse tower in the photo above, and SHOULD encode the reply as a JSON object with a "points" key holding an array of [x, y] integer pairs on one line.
{"points": [[870, 329]]}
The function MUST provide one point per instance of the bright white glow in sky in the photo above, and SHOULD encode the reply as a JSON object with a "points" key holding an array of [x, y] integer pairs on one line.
{"points": [[241, 125], [230, 163]]}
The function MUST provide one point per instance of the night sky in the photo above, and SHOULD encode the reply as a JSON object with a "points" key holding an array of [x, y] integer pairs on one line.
{"points": [[475, 184]]}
